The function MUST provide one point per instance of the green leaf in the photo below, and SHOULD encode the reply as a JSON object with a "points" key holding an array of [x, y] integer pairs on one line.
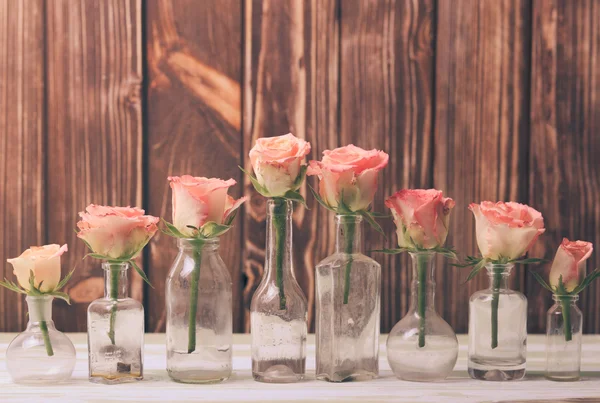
{"points": [[96, 256], [447, 252], [560, 288], [342, 208], [231, 217], [469, 261], [321, 201], [379, 215], [61, 295], [12, 286], [371, 221], [211, 229], [300, 177], [64, 281], [172, 230], [141, 273], [586, 281], [391, 251], [476, 269], [295, 196], [541, 280], [531, 260], [259, 188]]}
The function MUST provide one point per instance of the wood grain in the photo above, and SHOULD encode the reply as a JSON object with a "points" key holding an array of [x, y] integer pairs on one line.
{"points": [[94, 133], [565, 122], [21, 143], [481, 137], [193, 122]]}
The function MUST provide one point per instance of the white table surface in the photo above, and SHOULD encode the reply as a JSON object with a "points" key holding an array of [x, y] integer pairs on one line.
{"points": [[157, 387]]}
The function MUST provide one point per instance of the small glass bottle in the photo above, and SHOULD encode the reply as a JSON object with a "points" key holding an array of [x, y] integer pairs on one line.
{"points": [[563, 346], [279, 308], [422, 346], [497, 329], [348, 286], [41, 354], [200, 353], [115, 331]]}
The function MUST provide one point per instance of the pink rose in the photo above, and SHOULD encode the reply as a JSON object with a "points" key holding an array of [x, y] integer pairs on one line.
{"points": [[569, 263], [197, 201], [506, 230], [421, 217], [44, 262], [350, 173], [277, 163], [116, 232]]}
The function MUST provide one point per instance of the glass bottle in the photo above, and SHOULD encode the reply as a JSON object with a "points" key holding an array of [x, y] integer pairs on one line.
{"points": [[200, 353], [115, 331], [497, 329], [279, 308], [348, 286], [563, 348], [41, 354], [422, 346]]}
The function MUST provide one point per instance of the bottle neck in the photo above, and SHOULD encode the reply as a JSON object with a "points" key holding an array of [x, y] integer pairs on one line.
{"points": [[115, 280], [279, 238], [190, 246], [348, 234], [498, 275], [40, 310], [423, 271]]}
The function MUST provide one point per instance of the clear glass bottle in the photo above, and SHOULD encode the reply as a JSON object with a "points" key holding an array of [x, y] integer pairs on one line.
{"points": [[41, 354], [115, 331], [422, 346], [348, 287], [200, 353], [279, 308], [563, 348], [497, 329]]}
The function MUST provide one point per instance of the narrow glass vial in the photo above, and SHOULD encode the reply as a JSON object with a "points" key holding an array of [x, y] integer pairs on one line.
{"points": [[563, 345], [199, 314], [497, 329], [348, 286], [115, 331], [422, 346], [41, 354], [279, 308]]}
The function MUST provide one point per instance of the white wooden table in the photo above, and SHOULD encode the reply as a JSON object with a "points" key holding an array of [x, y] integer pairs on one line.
{"points": [[157, 386]]}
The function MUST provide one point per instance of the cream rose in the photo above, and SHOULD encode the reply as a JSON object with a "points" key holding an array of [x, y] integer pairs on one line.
{"points": [[421, 217], [197, 201], [43, 262], [116, 232], [277, 163], [348, 174], [506, 230], [569, 263]]}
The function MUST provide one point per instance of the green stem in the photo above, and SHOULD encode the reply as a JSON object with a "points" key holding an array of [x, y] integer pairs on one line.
{"points": [[279, 222], [422, 260], [114, 296], [495, 301], [349, 229], [46, 336], [566, 314], [194, 297]]}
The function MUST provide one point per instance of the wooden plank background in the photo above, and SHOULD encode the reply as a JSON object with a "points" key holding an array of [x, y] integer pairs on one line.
{"points": [[485, 99]]}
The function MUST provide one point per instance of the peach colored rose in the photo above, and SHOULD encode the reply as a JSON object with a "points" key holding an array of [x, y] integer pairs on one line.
{"points": [[197, 201], [116, 232], [277, 163], [506, 230], [350, 173], [569, 263], [44, 262], [421, 217]]}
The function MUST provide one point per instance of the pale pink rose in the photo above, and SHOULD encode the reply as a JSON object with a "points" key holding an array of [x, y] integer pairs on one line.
{"points": [[116, 232], [44, 262], [569, 263], [277, 161], [197, 201], [350, 173], [506, 230], [421, 217]]}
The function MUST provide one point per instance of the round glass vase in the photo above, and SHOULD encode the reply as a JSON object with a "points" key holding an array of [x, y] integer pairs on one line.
{"points": [[41, 354], [115, 331], [497, 329], [422, 346], [199, 314], [563, 339]]}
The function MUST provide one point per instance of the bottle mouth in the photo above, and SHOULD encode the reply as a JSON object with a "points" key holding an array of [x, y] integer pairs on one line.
{"points": [[115, 266], [571, 298]]}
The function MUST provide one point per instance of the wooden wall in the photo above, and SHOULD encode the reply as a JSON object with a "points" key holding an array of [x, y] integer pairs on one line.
{"points": [[100, 101]]}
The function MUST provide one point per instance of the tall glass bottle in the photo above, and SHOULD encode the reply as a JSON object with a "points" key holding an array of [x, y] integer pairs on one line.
{"points": [[279, 308], [422, 346], [563, 346], [41, 354], [200, 353], [497, 329], [348, 286], [115, 331]]}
